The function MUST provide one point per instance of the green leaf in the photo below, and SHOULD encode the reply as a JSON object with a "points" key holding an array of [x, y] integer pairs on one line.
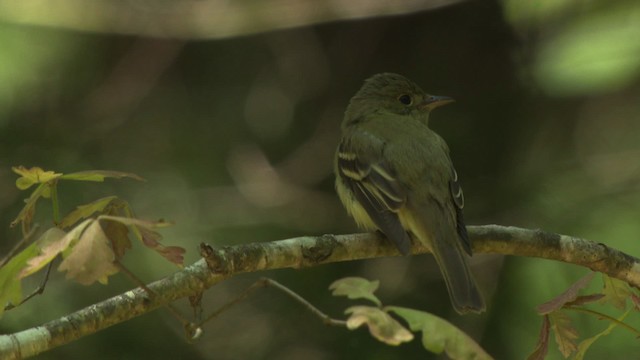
{"points": [[10, 284], [616, 292], [439, 335], [356, 288], [586, 343], [381, 326], [565, 334], [99, 175], [85, 211]]}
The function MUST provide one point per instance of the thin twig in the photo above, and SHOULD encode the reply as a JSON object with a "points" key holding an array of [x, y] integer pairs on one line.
{"points": [[266, 282], [606, 317], [18, 245]]}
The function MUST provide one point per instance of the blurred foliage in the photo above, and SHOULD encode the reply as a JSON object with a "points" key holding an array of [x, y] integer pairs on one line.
{"points": [[236, 138]]}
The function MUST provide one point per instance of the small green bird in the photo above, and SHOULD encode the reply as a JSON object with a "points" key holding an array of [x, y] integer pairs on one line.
{"points": [[394, 174]]}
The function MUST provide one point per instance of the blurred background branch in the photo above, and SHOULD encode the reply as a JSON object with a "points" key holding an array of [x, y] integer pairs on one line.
{"points": [[200, 19]]}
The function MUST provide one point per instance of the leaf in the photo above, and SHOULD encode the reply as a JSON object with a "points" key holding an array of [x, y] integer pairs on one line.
{"points": [[616, 292], [586, 343], [85, 211], [568, 295], [10, 284], [91, 259], [439, 335], [50, 244], [118, 235], [585, 299], [99, 175], [32, 176], [542, 347], [565, 334], [26, 213], [150, 238], [356, 288], [381, 325]]}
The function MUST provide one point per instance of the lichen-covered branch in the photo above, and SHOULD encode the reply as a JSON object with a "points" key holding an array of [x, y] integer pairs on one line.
{"points": [[303, 252]]}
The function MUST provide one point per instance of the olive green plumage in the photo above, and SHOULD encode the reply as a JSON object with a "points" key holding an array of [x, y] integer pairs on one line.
{"points": [[394, 174]]}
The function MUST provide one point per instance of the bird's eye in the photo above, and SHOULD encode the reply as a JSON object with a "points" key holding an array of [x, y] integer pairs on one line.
{"points": [[405, 99]]}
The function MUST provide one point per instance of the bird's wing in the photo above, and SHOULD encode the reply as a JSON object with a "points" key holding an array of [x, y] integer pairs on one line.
{"points": [[458, 200], [374, 185]]}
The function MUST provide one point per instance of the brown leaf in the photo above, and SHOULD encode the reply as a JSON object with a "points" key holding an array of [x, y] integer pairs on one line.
{"points": [[565, 334], [585, 299], [118, 235], [91, 259], [542, 347], [567, 296]]}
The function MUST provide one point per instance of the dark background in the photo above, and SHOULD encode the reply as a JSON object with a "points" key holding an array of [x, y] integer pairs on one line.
{"points": [[236, 134]]}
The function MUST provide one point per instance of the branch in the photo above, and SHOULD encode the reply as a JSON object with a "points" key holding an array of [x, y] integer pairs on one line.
{"points": [[218, 265], [203, 19]]}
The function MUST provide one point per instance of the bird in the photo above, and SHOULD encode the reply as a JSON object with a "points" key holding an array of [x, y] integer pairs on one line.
{"points": [[395, 175]]}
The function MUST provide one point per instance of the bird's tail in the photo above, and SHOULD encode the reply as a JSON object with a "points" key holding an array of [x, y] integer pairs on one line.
{"points": [[437, 231], [452, 260]]}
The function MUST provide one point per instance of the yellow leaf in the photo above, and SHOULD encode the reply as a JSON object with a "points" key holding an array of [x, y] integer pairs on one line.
{"points": [[34, 175], [381, 326], [616, 292]]}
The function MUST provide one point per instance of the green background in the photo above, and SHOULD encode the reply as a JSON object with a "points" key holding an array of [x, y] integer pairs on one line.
{"points": [[236, 134]]}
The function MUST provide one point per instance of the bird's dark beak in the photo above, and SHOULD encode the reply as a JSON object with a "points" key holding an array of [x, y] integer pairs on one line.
{"points": [[431, 102]]}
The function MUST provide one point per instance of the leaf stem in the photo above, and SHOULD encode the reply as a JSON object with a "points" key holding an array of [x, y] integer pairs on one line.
{"points": [[606, 317]]}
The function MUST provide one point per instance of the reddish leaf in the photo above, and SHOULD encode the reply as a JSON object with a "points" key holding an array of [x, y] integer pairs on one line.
{"points": [[569, 295], [118, 235], [175, 254], [585, 299], [540, 352]]}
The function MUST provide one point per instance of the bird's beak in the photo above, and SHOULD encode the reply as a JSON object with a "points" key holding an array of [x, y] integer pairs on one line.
{"points": [[431, 102]]}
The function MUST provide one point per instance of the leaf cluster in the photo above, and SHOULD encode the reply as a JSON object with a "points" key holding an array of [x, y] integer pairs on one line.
{"points": [[91, 239], [438, 335]]}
